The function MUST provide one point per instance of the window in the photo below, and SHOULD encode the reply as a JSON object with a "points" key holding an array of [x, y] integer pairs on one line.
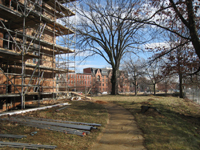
{"points": [[35, 60], [98, 78], [102, 80], [7, 43], [103, 84]]}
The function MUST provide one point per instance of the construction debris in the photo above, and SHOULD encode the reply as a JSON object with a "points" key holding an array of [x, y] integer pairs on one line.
{"points": [[76, 99], [62, 108], [33, 133], [73, 126], [84, 96], [33, 109], [12, 136], [71, 122], [26, 145], [48, 127]]}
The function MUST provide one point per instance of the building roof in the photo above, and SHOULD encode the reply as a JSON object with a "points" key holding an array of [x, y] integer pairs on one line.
{"points": [[104, 71]]}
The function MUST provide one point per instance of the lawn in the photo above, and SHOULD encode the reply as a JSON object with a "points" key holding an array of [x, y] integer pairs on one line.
{"points": [[176, 128], [80, 111]]}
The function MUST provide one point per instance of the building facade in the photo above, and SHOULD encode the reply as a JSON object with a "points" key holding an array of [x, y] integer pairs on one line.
{"points": [[28, 49], [101, 80]]}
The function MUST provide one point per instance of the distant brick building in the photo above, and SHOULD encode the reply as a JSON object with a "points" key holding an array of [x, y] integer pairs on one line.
{"points": [[96, 80], [101, 80], [74, 81], [80, 81]]}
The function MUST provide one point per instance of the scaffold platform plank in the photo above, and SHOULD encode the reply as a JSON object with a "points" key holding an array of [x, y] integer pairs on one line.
{"points": [[61, 8], [45, 43], [60, 29], [9, 13], [16, 55], [43, 68], [10, 95], [65, 1]]}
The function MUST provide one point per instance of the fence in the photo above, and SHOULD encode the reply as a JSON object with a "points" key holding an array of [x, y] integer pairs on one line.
{"points": [[193, 93]]}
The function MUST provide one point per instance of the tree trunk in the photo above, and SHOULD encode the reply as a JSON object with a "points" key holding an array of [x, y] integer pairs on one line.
{"points": [[114, 82], [180, 85], [135, 88], [154, 88], [192, 27], [166, 88]]}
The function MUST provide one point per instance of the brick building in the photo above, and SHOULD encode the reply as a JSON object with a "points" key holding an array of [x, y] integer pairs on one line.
{"points": [[28, 49], [80, 81], [74, 82], [101, 80]]}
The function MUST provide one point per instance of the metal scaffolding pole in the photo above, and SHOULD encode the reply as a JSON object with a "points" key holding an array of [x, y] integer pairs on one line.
{"points": [[23, 61]]}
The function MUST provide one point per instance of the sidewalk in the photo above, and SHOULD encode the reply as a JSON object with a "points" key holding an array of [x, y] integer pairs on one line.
{"points": [[121, 133]]}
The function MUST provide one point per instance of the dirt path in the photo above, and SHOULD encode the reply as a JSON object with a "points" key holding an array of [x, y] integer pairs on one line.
{"points": [[121, 132]]}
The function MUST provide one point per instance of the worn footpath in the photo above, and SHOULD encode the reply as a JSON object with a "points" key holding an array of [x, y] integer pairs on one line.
{"points": [[121, 133]]}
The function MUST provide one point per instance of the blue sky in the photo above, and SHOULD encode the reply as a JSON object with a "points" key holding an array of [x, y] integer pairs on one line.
{"points": [[92, 62], [99, 62]]}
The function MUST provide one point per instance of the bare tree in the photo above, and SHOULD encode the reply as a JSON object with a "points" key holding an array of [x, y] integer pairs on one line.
{"points": [[154, 74], [178, 62], [100, 33], [180, 17], [135, 69], [169, 83]]}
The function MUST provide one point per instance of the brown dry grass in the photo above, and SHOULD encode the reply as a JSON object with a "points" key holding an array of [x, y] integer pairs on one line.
{"points": [[80, 111], [176, 128]]}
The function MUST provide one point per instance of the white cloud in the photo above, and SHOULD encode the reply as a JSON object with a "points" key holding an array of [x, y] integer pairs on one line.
{"points": [[156, 45]]}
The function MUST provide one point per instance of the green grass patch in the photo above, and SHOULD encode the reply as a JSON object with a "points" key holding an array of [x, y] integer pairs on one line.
{"points": [[176, 128], [80, 111]]}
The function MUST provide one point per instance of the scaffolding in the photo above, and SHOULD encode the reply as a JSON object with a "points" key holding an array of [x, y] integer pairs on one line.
{"points": [[37, 46]]}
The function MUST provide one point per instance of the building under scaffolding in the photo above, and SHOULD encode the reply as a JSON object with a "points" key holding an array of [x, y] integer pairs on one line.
{"points": [[31, 59]]}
